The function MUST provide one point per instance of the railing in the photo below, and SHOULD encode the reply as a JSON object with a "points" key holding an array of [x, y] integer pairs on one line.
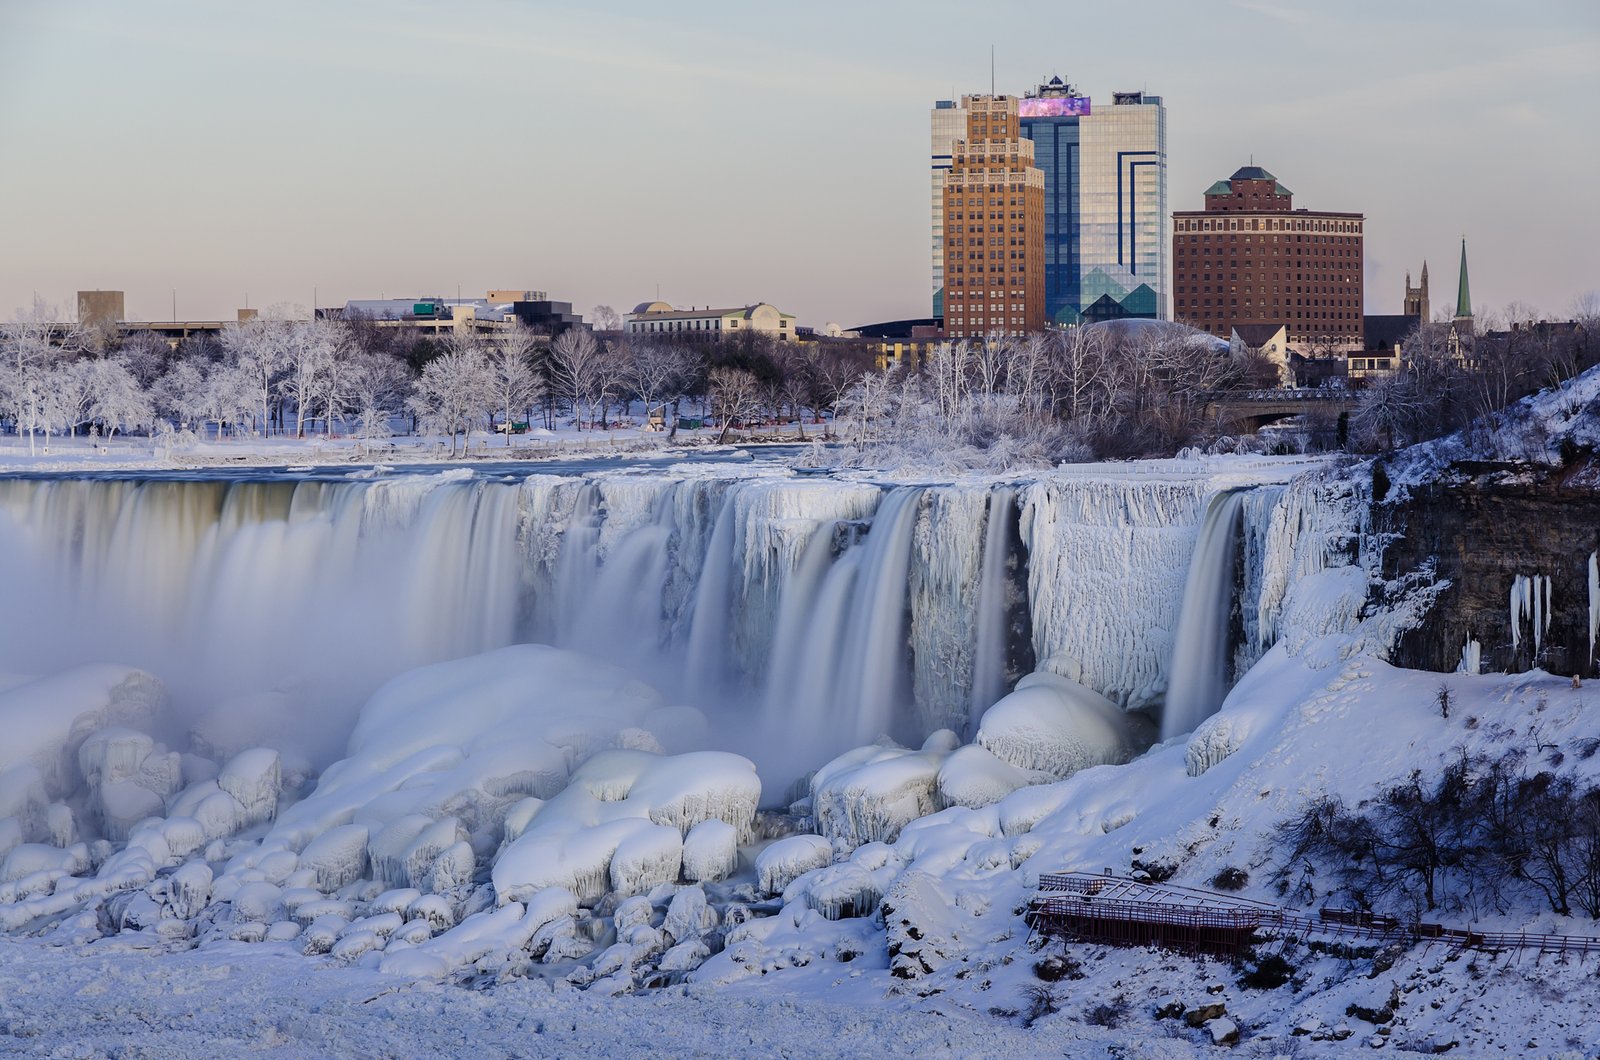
{"points": [[1117, 910]]}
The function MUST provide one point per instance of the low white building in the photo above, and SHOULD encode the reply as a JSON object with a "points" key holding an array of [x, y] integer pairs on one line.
{"points": [[659, 319]]}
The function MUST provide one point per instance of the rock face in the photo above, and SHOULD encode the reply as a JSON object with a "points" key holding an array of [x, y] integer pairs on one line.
{"points": [[1484, 526]]}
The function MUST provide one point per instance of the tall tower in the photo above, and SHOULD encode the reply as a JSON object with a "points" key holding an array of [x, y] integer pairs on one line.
{"points": [[1105, 214], [1463, 290], [1416, 303], [948, 123], [993, 213]]}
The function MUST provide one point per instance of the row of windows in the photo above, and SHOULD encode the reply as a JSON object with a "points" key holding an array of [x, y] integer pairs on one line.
{"points": [[1269, 224], [1262, 289]]}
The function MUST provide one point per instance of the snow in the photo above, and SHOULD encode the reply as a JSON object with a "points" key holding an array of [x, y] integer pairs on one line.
{"points": [[530, 818], [786, 860], [1051, 724], [710, 852]]}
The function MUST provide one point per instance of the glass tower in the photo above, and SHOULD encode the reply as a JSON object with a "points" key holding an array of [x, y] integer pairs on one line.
{"points": [[1105, 180], [948, 122]]}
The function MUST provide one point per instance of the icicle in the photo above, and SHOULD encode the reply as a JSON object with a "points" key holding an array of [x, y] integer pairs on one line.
{"points": [[1471, 657], [1594, 601]]}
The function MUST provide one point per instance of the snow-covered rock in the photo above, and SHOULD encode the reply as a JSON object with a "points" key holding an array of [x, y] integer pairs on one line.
{"points": [[869, 798], [338, 856], [1054, 725], [710, 852], [785, 860]]}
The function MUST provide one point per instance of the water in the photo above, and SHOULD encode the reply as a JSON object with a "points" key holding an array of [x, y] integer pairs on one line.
{"points": [[1199, 672], [805, 615]]}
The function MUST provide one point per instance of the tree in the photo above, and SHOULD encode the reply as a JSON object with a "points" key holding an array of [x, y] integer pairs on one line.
{"points": [[659, 374], [575, 369], [116, 400], [605, 318], [378, 387], [514, 383], [735, 395], [453, 391], [181, 394], [32, 344], [259, 350]]}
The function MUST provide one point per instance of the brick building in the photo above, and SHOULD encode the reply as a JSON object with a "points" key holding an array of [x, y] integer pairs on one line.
{"points": [[993, 225], [1251, 258]]}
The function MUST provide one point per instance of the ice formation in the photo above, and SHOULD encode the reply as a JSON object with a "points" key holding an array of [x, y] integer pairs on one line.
{"points": [[1594, 601], [495, 803], [1530, 604], [1051, 724]]}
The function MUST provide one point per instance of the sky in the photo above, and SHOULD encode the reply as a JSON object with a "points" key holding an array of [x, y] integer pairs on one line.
{"points": [[213, 154]]}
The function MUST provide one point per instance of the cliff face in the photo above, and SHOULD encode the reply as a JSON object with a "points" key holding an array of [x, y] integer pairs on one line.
{"points": [[1482, 525]]}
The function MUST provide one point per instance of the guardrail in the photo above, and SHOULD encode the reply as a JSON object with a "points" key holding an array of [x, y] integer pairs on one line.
{"points": [[1121, 911]]}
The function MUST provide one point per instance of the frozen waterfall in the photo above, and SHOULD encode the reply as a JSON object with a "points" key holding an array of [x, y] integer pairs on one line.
{"points": [[804, 615], [1198, 678]]}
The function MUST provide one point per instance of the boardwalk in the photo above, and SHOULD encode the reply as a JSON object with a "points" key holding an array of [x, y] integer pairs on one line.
{"points": [[1119, 911]]}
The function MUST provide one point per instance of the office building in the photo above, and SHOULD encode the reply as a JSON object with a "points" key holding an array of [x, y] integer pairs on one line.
{"points": [[1105, 202], [993, 225], [1250, 257]]}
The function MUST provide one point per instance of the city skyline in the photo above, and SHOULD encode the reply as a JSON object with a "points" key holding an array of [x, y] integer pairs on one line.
{"points": [[368, 150]]}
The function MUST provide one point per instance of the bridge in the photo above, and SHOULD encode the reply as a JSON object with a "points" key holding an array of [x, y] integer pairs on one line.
{"points": [[1247, 411]]}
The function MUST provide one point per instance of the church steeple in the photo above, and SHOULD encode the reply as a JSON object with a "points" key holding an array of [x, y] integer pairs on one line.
{"points": [[1416, 302], [1463, 290]]}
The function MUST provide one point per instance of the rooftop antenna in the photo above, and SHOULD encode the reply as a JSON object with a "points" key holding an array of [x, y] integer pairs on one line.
{"points": [[991, 70]]}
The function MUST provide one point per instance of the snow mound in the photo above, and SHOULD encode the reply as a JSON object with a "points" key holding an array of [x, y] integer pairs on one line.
{"points": [[786, 860], [1054, 725], [870, 794]]}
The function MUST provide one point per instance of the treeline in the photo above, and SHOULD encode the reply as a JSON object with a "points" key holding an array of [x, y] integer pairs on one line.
{"points": [[1125, 390], [1448, 380], [275, 375], [1485, 835]]}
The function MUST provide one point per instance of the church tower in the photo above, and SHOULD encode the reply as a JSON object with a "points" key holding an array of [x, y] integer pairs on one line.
{"points": [[1463, 291], [1416, 303]]}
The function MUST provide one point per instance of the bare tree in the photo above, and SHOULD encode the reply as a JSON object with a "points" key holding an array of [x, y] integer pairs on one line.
{"points": [[575, 368], [514, 383], [605, 318], [735, 395], [659, 374]]}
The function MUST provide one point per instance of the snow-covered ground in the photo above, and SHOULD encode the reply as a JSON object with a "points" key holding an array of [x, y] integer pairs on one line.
{"points": [[524, 848]]}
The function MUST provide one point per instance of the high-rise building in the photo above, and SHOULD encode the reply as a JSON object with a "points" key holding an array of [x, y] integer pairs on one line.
{"points": [[993, 231], [1105, 213], [949, 124], [1251, 258]]}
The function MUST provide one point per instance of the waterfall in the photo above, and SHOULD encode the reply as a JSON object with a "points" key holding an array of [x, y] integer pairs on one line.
{"points": [[1198, 676], [805, 614], [989, 663]]}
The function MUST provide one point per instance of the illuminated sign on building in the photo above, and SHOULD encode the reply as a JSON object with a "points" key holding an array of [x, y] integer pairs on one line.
{"points": [[1054, 107]]}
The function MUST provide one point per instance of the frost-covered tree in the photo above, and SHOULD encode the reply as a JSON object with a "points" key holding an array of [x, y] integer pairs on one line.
{"points": [[453, 392], [182, 394], [515, 385], [378, 387], [259, 349], [32, 344], [116, 401], [310, 350]]}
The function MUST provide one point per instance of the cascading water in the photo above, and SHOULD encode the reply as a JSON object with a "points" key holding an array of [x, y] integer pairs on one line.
{"points": [[1198, 676], [812, 614], [989, 663]]}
